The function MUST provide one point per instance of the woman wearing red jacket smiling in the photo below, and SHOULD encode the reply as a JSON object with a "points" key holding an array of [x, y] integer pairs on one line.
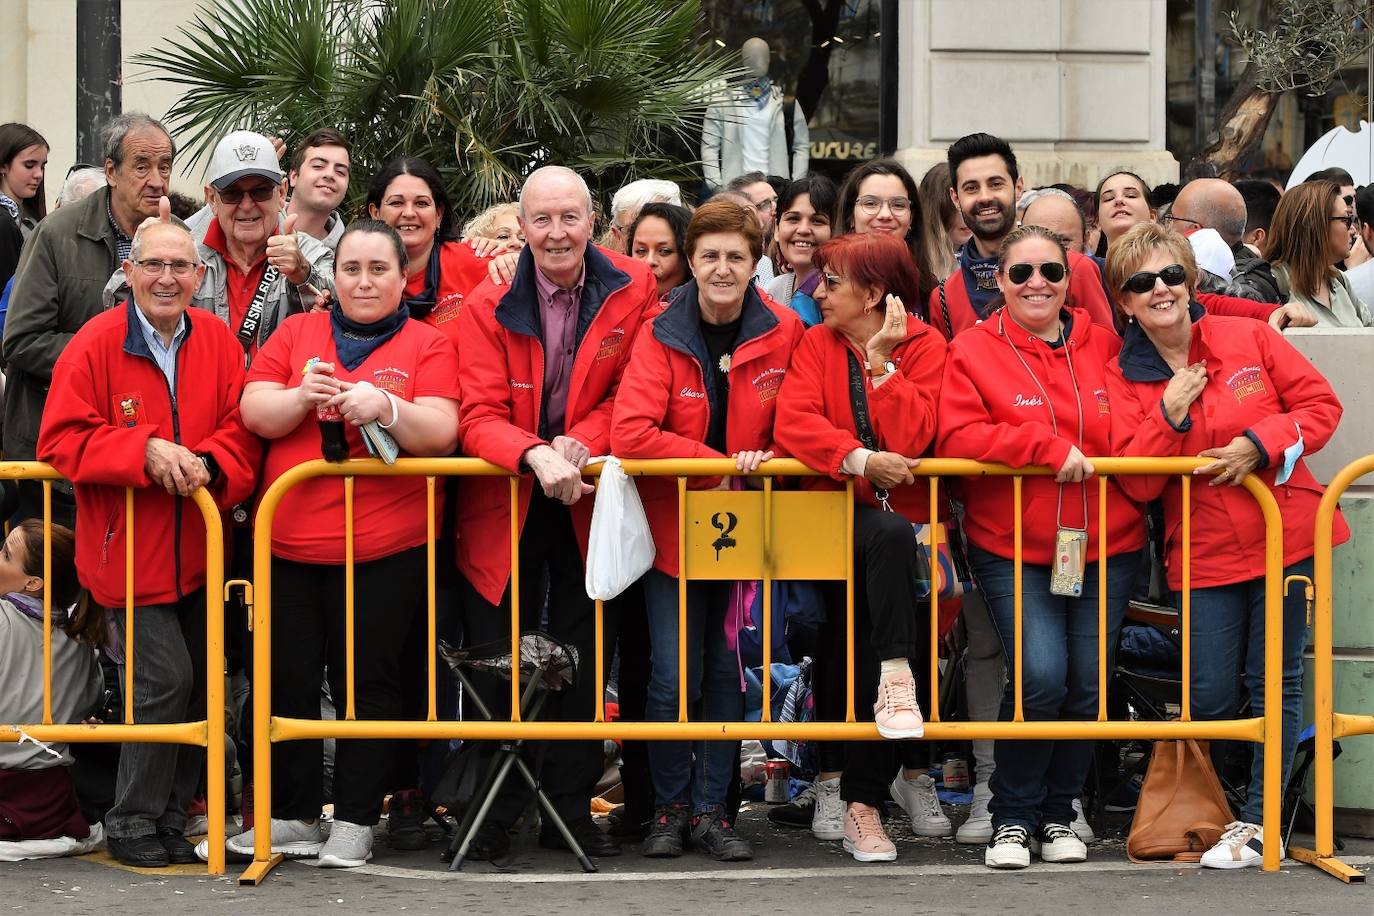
{"points": [[1025, 387], [702, 382], [860, 402], [1230, 389]]}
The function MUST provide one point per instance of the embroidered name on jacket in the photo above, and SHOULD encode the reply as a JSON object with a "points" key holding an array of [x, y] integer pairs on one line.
{"points": [[1249, 380], [526, 385], [129, 408], [1033, 401], [612, 345], [691, 393], [767, 383]]}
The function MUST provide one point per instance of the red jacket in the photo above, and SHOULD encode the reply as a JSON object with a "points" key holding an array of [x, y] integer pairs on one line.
{"points": [[108, 398], [1258, 385], [991, 410], [501, 369], [460, 271], [1085, 292], [666, 402], [816, 416]]}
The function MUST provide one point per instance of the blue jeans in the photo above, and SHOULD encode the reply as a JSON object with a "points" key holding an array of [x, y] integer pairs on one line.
{"points": [[1036, 781], [695, 772], [1228, 651]]}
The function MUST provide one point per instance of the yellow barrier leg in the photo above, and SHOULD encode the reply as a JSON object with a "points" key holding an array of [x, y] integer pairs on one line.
{"points": [[214, 679]]}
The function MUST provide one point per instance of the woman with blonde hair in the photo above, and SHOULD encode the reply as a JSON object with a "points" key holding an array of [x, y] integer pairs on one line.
{"points": [[1308, 236], [500, 223], [944, 230]]}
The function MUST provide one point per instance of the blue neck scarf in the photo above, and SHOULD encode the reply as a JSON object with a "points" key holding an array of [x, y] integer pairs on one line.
{"points": [[355, 342]]}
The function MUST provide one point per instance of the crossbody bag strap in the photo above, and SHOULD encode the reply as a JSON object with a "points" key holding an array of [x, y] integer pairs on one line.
{"points": [[858, 400], [944, 312], [252, 316]]}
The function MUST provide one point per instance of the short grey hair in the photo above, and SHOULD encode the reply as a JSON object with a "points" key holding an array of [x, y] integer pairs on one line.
{"points": [[113, 134], [633, 197], [1031, 197], [152, 222], [554, 170], [79, 184]]}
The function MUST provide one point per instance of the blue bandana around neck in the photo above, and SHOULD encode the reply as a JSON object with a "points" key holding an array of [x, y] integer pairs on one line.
{"points": [[980, 278], [421, 305], [354, 342], [759, 90]]}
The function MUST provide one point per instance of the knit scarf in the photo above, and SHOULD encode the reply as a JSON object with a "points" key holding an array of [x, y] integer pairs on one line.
{"points": [[354, 342]]}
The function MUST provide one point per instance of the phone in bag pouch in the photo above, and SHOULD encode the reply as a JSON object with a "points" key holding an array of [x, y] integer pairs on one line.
{"points": [[1070, 562]]}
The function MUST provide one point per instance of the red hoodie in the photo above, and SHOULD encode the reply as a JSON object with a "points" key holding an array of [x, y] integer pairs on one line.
{"points": [[1259, 386], [992, 410], [1085, 292], [108, 398], [816, 416], [501, 370], [665, 402]]}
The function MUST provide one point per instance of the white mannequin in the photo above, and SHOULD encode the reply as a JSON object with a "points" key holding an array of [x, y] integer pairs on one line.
{"points": [[744, 130]]}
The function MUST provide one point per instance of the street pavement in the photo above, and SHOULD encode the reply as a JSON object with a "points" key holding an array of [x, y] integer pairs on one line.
{"points": [[791, 873]]}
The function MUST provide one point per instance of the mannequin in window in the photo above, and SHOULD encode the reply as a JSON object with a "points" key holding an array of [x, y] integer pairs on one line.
{"points": [[746, 129]]}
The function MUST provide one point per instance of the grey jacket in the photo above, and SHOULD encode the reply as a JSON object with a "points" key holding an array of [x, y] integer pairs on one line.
{"points": [[283, 298], [57, 289]]}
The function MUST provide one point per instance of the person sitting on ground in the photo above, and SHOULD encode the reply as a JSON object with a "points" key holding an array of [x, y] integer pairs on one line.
{"points": [[658, 237], [37, 797], [1189, 383], [859, 404], [1027, 387], [1309, 237]]}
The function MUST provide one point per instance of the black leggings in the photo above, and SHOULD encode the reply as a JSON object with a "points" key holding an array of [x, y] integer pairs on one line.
{"points": [[308, 635]]}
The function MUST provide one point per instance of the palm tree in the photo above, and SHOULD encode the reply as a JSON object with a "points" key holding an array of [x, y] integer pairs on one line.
{"points": [[484, 89]]}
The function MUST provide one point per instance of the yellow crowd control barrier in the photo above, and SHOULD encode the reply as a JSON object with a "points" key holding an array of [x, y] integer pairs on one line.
{"points": [[772, 534], [207, 732], [1330, 724]]}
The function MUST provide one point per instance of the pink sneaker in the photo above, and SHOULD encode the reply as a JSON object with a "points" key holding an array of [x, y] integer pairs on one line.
{"points": [[896, 713], [864, 837]]}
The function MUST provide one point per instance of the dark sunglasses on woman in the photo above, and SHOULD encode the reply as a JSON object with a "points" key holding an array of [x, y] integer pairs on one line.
{"points": [[1144, 281], [1052, 271]]}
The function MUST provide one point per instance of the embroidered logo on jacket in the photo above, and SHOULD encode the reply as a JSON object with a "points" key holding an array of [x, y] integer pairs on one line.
{"points": [[129, 408], [391, 379], [447, 309], [1247, 381], [612, 345], [767, 383], [1104, 406]]}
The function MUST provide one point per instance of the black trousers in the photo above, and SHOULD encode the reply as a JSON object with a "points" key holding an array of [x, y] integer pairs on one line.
{"points": [[308, 636], [889, 622], [553, 597], [630, 637]]}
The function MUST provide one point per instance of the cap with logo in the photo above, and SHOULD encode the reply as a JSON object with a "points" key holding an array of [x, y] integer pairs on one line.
{"points": [[242, 154]]}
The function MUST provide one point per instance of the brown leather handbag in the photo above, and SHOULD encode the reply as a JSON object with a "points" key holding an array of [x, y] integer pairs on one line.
{"points": [[1182, 810]]}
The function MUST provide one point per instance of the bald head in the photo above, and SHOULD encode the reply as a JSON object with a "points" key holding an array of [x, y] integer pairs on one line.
{"points": [[1212, 203], [555, 213], [1060, 215], [554, 179]]}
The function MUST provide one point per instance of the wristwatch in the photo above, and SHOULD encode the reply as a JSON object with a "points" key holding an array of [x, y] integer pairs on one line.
{"points": [[888, 368]]}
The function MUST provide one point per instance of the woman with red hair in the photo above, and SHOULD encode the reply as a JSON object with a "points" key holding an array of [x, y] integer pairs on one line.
{"points": [[859, 402]]}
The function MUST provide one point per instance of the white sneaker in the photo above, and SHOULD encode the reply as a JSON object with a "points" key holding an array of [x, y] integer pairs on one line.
{"points": [[1057, 843], [293, 839], [1080, 826], [918, 799], [1241, 846], [827, 821], [978, 828], [349, 845], [1008, 848], [200, 826]]}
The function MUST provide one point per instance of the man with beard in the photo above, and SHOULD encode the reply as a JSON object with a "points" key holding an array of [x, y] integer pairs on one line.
{"points": [[986, 184]]}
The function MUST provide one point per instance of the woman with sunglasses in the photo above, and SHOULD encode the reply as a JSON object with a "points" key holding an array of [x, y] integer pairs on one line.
{"points": [[1027, 387], [1308, 236], [409, 196], [1189, 383]]}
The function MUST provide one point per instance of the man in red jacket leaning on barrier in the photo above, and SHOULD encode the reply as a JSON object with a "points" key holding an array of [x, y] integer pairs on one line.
{"points": [[124, 411], [540, 364]]}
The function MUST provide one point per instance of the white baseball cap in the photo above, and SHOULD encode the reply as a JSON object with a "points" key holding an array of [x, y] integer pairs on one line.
{"points": [[241, 154]]}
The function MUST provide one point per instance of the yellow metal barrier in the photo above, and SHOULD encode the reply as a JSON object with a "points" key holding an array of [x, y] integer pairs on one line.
{"points": [[207, 732], [1330, 724], [778, 535]]}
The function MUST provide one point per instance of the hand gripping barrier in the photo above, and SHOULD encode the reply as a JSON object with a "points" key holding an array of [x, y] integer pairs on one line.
{"points": [[208, 732], [1330, 724], [777, 534]]}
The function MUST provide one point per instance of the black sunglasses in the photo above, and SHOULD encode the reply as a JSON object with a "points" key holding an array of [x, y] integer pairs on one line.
{"points": [[1348, 220], [1144, 281], [1052, 271]]}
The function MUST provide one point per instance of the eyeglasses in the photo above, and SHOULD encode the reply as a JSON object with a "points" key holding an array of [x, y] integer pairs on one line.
{"points": [[1052, 271], [1349, 200], [766, 206], [1144, 281], [1348, 220], [154, 267], [1171, 219], [873, 205], [261, 194], [832, 279]]}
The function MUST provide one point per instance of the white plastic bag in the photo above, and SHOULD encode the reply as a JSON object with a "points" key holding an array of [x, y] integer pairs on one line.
{"points": [[620, 548]]}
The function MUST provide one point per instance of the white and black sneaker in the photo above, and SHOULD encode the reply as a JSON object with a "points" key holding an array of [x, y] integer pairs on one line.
{"points": [[1008, 848], [1058, 843], [1241, 846]]}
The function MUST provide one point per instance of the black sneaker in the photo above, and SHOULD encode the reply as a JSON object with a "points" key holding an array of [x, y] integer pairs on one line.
{"points": [[715, 835], [667, 836], [405, 821], [796, 813], [1008, 848]]}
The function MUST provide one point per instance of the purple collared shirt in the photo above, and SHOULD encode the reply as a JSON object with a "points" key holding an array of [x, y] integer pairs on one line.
{"points": [[558, 309]]}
